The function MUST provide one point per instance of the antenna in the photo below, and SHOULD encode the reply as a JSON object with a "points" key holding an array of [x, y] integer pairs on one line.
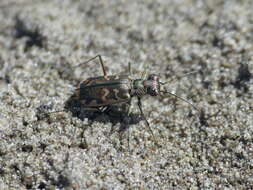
{"points": [[182, 76], [195, 107]]}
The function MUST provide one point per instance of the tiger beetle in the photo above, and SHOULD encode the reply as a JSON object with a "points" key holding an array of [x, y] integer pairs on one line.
{"points": [[99, 93]]}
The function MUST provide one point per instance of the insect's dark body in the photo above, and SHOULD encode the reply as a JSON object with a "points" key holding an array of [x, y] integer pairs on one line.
{"points": [[104, 91], [117, 90]]}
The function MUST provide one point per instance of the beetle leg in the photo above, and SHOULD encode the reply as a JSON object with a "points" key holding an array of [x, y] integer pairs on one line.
{"points": [[129, 108], [144, 73], [101, 63], [140, 108], [128, 139], [130, 69], [126, 107], [103, 108], [129, 132]]}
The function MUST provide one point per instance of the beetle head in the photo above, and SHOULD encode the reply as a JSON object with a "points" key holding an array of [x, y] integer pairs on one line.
{"points": [[152, 85], [156, 88]]}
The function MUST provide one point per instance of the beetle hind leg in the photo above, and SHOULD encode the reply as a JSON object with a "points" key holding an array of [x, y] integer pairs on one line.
{"points": [[101, 63]]}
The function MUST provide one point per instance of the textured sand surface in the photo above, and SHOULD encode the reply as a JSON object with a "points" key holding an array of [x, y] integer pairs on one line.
{"points": [[41, 42]]}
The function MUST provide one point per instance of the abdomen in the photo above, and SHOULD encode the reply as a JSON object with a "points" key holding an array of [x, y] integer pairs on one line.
{"points": [[101, 91]]}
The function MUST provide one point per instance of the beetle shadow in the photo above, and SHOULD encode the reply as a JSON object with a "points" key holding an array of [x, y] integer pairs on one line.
{"points": [[109, 114]]}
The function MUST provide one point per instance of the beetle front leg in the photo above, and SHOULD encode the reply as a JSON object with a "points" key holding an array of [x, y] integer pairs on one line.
{"points": [[147, 123], [126, 120], [127, 108]]}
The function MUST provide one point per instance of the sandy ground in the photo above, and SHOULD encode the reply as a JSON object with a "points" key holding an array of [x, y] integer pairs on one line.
{"points": [[42, 46]]}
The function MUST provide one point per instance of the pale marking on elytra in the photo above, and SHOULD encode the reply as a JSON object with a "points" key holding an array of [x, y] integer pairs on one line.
{"points": [[107, 77], [127, 96], [116, 91], [106, 92]]}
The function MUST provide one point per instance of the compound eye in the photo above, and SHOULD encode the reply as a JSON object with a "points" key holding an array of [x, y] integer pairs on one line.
{"points": [[152, 91], [153, 77]]}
